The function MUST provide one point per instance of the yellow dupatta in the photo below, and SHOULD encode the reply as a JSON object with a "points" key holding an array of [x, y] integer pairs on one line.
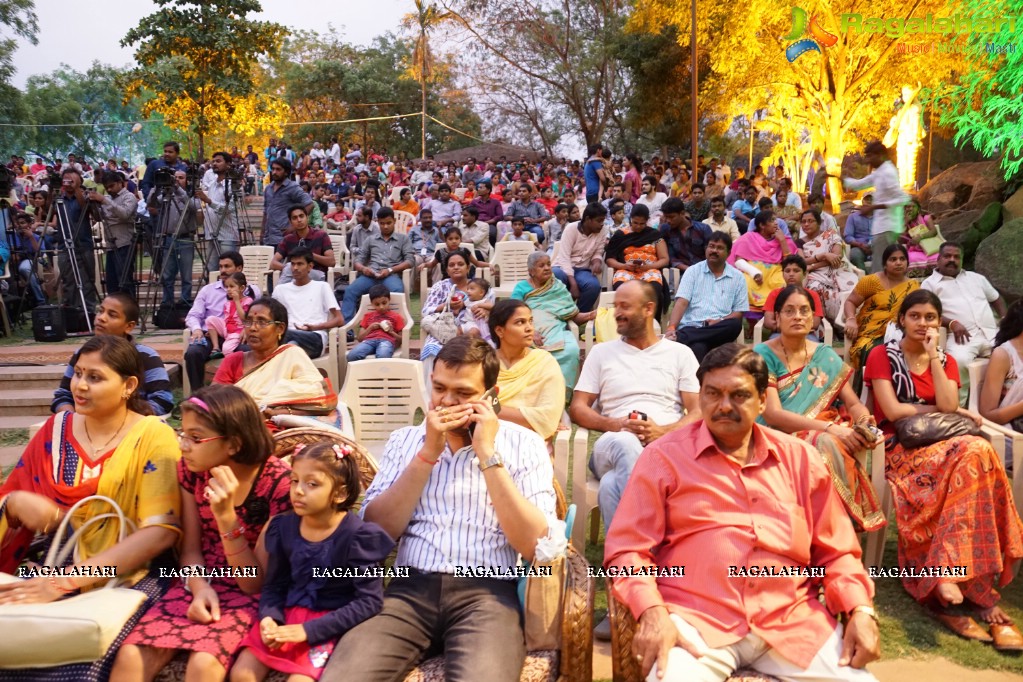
{"points": [[535, 387], [289, 377]]}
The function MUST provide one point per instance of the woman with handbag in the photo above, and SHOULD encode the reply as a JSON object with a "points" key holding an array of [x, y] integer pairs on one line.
{"points": [[231, 487], [809, 396], [953, 502], [881, 294], [1001, 398], [108, 446], [826, 273]]}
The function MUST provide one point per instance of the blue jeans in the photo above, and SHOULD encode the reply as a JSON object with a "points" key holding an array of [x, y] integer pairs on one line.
{"points": [[589, 287], [614, 458], [381, 348], [178, 256], [25, 270], [121, 270], [362, 285], [538, 231], [310, 342]]}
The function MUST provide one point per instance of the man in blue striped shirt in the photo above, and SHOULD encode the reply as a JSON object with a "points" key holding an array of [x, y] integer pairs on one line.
{"points": [[710, 301], [462, 493], [117, 315]]}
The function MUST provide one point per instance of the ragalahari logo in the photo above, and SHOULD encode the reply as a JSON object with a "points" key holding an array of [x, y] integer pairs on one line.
{"points": [[818, 36]]}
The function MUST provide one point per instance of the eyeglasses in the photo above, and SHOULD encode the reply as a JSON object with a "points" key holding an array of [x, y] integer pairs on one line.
{"points": [[258, 323], [193, 441], [793, 312]]}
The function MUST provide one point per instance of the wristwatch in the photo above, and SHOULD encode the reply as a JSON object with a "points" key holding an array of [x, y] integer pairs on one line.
{"points": [[494, 461], [864, 608]]}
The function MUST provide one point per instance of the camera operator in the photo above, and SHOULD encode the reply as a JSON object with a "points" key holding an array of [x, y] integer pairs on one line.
{"points": [[171, 159], [76, 205], [25, 246], [178, 248], [221, 221], [117, 208]]}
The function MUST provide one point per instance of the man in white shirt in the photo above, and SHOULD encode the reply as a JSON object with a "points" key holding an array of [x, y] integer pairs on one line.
{"points": [[580, 262], [335, 151], [312, 308], [651, 198], [317, 152], [966, 302], [646, 386], [888, 201]]}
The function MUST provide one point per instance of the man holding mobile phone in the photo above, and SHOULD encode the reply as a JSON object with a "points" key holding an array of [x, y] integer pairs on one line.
{"points": [[455, 499]]}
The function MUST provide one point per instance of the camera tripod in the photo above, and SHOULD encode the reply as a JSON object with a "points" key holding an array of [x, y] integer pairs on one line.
{"points": [[68, 236], [210, 246], [161, 252]]}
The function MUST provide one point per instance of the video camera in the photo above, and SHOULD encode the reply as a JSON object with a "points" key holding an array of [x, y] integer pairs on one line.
{"points": [[163, 177], [236, 173]]}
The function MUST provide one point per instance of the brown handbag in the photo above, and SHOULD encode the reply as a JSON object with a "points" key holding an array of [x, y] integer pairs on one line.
{"points": [[921, 430]]}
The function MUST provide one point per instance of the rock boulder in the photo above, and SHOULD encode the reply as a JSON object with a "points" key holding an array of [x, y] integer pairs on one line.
{"points": [[1013, 207], [965, 186], [1000, 259], [954, 224]]}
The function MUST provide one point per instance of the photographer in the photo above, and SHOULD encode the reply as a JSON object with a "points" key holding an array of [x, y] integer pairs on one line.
{"points": [[221, 222], [76, 207], [171, 159], [117, 209], [178, 218]]}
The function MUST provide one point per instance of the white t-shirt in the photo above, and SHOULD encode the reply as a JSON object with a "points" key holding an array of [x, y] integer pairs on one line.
{"points": [[335, 154], [654, 205], [307, 304], [625, 378]]}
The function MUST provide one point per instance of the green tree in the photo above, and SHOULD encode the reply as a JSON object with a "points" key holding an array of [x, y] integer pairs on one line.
{"points": [[985, 104], [425, 20], [66, 96], [17, 21], [567, 48], [197, 61]]}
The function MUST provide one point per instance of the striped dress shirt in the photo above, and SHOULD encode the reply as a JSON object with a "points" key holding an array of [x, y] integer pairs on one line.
{"points": [[454, 524]]}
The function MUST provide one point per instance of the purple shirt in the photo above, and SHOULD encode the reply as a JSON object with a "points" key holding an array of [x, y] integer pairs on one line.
{"points": [[491, 209], [210, 302]]}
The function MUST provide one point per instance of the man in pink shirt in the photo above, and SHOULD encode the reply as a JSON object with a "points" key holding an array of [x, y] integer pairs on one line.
{"points": [[753, 516]]}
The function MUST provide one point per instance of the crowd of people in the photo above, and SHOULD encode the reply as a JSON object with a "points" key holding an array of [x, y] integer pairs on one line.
{"points": [[743, 456]]}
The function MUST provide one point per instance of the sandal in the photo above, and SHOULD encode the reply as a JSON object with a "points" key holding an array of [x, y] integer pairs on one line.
{"points": [[1007, 637]]}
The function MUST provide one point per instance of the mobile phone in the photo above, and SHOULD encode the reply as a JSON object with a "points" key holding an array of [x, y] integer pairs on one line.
{"points": [[636, 414], [491, 396]]}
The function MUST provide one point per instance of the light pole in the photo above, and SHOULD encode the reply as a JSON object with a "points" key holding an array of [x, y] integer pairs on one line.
{"points": [[694, 107]]}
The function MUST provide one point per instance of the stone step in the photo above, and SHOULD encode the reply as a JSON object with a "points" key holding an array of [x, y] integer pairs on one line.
{"points": [[25, 402], [22, 422], [30, 376]]}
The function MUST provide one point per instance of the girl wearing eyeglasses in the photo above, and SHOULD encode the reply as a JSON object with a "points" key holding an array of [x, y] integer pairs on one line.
{"points": [[230, 488]]}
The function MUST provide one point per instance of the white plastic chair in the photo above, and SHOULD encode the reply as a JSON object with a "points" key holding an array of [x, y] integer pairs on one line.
{"points": [[510, 258], [342, 256], [399, 304], [403, 221], [383, 395], [396, 193], [460, 193], [257, 263]]}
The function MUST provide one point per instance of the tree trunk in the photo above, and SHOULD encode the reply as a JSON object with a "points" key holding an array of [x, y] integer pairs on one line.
{"points": [[422, 131]]}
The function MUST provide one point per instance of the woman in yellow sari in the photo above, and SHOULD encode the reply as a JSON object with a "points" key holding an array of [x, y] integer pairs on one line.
{"points": [[108, 446], [532, 388], [280, 377], [881, 294], [807, 380], [758, 254]]}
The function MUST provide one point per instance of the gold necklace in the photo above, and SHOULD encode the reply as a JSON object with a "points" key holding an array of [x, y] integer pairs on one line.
{"points": [[85, 423], [788, 365]]}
